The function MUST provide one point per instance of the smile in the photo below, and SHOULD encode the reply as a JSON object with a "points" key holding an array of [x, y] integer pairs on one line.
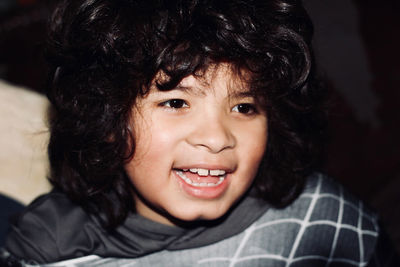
{"points": [[202, 177]]}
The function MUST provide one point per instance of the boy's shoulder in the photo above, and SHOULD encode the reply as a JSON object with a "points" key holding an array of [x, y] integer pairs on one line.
{"points": [[47, 222], [324, 201], [328, 201], [324, 223]]}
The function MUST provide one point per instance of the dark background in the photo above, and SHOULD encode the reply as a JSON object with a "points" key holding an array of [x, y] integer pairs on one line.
{"points": [[357, 48], [356, 44]]}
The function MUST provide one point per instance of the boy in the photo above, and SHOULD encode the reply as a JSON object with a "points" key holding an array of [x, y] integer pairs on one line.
{"points": [[179, 129]]}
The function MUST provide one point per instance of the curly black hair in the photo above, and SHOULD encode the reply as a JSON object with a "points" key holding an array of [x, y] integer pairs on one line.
{"points": [[106, 53]]}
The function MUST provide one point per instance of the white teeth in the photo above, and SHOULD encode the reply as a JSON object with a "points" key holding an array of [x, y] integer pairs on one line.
{"points": [[217, 172], [205, 172], [202, 172], [182, 175]]}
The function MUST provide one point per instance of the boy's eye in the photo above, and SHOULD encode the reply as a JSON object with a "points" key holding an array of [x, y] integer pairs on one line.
{"points": [[174, 103], [244, 108]]}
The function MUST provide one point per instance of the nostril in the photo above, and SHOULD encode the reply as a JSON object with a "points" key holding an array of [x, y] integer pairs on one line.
{"points": [[213, 139]]}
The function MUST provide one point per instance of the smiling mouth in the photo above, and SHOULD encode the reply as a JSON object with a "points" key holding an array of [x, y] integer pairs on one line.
{"points": [[201, 177]]}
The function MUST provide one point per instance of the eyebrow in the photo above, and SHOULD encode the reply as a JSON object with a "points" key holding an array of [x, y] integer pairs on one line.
{"points": [[190, 90], [241, 94], [200, 92]]}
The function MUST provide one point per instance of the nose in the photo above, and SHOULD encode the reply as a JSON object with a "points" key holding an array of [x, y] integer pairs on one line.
{"points": [[213, 132]]}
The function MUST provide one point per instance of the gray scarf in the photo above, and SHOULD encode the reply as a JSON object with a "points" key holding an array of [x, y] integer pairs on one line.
{"points": [[69, 232]]}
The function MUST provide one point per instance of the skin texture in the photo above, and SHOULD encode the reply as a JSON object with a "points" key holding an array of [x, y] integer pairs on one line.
{"points": [[208, 122]]}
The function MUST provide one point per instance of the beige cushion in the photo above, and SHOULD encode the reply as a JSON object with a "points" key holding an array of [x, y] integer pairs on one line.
{"points": [[23, 143]]}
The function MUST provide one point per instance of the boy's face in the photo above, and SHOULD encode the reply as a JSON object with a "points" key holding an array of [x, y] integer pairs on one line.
{"points": [[198, 147]]}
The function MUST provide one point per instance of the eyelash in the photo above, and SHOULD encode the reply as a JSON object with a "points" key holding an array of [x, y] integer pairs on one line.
{"points": [[249, 109], [243, 108], [175, 103]]}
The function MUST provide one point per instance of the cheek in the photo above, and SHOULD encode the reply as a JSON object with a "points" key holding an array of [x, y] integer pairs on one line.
{"points": [[155, 146], [151, 141], [253, 139], [254, 143]]}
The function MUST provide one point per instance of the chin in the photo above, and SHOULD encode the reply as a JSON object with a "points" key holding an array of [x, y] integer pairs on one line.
{"points": [[192, 215]]}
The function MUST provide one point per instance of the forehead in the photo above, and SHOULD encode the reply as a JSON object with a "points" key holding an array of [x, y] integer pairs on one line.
{"points": [[213, 78]]}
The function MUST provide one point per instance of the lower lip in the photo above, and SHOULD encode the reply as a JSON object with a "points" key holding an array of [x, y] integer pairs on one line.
{"points": [[204, 192]]}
